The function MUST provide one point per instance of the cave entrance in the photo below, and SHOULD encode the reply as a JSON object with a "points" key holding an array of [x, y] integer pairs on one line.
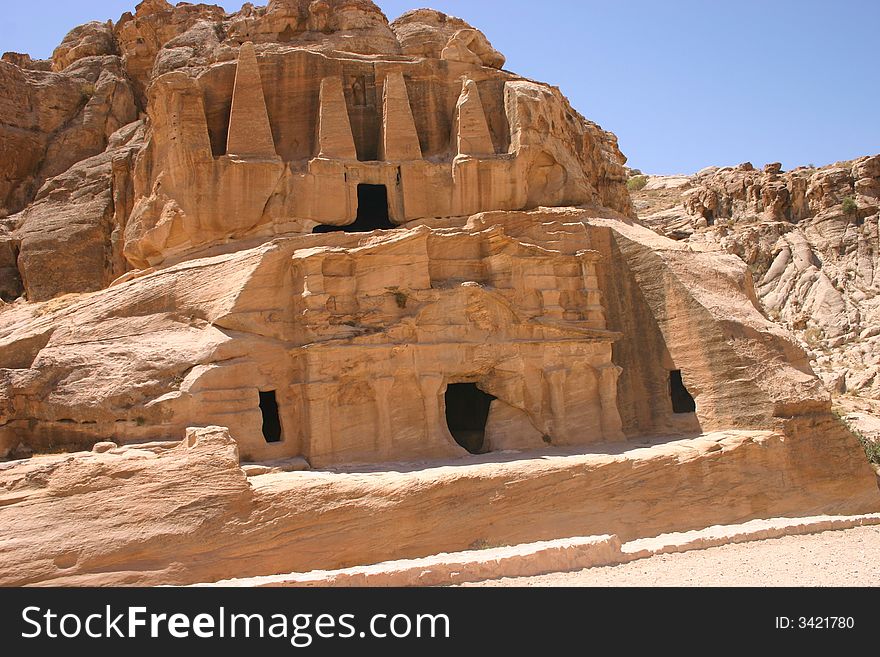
{"points": [[467, 410], [682, 401], [271, 420], [372, 212]]}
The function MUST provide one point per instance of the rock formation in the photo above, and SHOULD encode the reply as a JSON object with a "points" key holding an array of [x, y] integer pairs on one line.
{"points": [[810, 239], [339, 242], [70, 520]]}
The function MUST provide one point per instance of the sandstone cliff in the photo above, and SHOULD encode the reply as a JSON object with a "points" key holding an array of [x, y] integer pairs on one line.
{"points": [[810, 239]]}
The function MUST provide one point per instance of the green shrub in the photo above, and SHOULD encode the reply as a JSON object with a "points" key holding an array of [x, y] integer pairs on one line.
{"points": [[849, 205], [400, 298], [636, 183], [872, 450], [871, 447]]}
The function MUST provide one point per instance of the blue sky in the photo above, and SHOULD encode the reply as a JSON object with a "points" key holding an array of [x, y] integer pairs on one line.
{"points": [[683, 83]]}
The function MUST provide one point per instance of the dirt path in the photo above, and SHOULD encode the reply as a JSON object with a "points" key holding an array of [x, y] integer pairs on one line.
{"points": [[848, 557]]}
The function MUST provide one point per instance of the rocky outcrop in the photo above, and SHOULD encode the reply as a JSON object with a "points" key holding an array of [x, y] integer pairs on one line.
{"points": [[90, 40], [356, 26], [181, 513], [433, 34], [85, 209], [155, 23], [24, 61], [810, 238], [45, 126], [51, 124]]}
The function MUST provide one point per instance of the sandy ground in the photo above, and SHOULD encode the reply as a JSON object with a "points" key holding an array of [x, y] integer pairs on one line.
{"points": [[848, 557]]}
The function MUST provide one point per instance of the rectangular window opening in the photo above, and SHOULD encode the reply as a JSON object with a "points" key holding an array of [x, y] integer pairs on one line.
{"points": [[372, 212], [271, 419]]}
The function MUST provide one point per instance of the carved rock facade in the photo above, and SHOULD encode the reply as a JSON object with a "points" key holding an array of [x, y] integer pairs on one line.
{"points": [[338, 241]]}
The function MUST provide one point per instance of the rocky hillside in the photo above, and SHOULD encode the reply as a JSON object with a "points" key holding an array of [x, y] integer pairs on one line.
{"points": [[810, 239]]}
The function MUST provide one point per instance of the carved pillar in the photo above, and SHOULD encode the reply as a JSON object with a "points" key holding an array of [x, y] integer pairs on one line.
{"points": [[556, 384], [318, 397], [400, 140], [594, 311], [612, 427], [430, 385], [250, 134], [382, 387], [188, 136], [334, 127], [471, 131]]}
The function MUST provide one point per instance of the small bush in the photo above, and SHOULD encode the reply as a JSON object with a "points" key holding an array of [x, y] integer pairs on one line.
{"points": [[813, 336], [872, 450], [849, 205], [400, 298], [636, 183], [871, 447]]}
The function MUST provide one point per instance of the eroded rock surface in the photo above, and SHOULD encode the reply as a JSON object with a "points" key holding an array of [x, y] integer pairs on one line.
{"points": [[181, 513], [339, 243], [810, 238]]}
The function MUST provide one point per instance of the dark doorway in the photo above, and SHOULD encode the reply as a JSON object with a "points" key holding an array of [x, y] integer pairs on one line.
{"points": [[372, 212], [271, 421], [682, 402], [467, 409]]}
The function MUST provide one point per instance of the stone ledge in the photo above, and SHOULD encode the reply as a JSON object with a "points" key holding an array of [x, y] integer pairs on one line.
{"points": [[753, 530], [542, 557]]}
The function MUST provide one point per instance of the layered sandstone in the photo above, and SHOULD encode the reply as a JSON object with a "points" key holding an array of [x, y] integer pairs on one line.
{"points": [[513, 301], [810, 238], [186, 512], [348, 245]]}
